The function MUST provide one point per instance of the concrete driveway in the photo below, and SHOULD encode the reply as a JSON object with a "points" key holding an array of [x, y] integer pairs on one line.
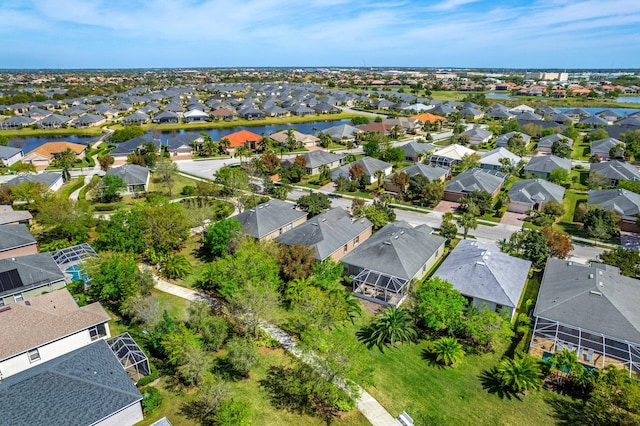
{"points": [[446, 206], [514, 219]]}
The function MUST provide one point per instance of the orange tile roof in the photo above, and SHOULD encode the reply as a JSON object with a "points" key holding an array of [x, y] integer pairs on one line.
{"points": [[49, 149], [241, 137], [427, 117]]}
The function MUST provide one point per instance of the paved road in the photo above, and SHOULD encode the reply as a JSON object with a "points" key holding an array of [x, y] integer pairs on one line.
{"points": [[368, 406]]}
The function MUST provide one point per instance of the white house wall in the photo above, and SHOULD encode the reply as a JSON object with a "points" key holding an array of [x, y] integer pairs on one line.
{"points": [[127, 417]]}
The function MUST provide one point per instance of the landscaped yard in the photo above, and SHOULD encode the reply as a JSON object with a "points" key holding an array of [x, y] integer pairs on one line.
{"points": [[569, 202]]}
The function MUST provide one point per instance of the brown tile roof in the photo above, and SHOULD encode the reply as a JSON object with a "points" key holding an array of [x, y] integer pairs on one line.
{"points": [[49, 149], [42, 319]]}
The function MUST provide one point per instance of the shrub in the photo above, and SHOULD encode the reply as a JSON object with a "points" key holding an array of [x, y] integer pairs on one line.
{"points": [[188, 190], [150, 378], [151, 399]]}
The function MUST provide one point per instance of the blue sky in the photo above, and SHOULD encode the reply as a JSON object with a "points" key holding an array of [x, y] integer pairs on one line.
{"points": [[245, 33]]}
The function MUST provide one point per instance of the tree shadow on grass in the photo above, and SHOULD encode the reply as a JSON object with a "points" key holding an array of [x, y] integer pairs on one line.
{"points": [[430, 357], [490, 383], [566, 411], [222, 368]]}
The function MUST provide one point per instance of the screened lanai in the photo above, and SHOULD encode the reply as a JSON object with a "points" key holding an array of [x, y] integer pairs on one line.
{"points": [[592, 348], [134, 361], [380, 288]]}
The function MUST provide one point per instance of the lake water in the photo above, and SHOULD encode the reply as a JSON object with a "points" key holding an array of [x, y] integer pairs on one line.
{"points": [[629, 99], [30, 143], [498, 95]]}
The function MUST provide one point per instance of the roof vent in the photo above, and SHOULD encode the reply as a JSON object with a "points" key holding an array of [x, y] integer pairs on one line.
{"points": [[600, 283], [401, 232], [252, 210], [479, 263], [361, 220], [595, 293], [315, 223], [388, 243], [5, 308], [28, 303], [266, 205], [600, 272], [569, 263], [324, 219], [396, 237], [260, 207], [590, 276]]}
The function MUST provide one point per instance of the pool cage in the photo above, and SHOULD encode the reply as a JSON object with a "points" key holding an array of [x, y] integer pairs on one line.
{"points": [[377, 287], [133, 360], [69, 260], [592, 348]]}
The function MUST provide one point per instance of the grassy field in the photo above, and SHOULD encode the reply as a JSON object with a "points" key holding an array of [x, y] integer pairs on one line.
{"points": [[406, 381], [250, 392], [569, 202]]}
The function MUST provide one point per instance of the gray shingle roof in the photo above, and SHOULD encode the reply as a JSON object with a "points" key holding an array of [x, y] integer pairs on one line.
{"points": [[318, 158], [547, 141], [398, 249], [369, 165], [34, 270], [15, 236], [572, 294], [432, 172], [268, 217], [476, 180], [7, 152], [342, 131], [47, 178], [535, 190], [503, 140], [326, 232], [78, 389], [415, 149], [493, 157], [131, 174], [617, 170], [623, 202], [547, 163], [481, 270]]}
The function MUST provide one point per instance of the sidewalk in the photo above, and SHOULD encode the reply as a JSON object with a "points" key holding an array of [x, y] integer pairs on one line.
{"points": [[368, 406]]}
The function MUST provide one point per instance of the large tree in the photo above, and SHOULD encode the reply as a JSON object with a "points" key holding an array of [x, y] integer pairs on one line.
{"points": [[112, 277], [439, 306], [165, 228], [122, 232], [314, 203], [165, 173], [601, 224], [220, 234]]}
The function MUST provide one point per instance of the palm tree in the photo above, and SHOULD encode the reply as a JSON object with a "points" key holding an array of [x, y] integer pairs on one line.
{"points": [[467, 221], [65, 161], [225, 144], [520, 374], [448, 351], [565, 364], [393, 326], [175, 266], [395, 131], [242, 152]]}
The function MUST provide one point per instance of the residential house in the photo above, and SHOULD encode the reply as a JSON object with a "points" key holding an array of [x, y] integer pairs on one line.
{"points": [[430, 171], [16, 240], [613, 172], [45, 154], [24, 277], [137, 118], [543, 165], [331, 234], [450, 155], [546, 143], [182, 146], [9, 155], [16, 122], [86, 386], [136, 178], [51, 181], [472, 180], [484, 275], [303, 140], [224, 113], [383, 267], [375, 127], [44, 327], [609, 116], [603, 148], [594, 121], [316, 159], [590, 310], [429, 118], [268, 220], [122, 152], [88, 120], [195, 115], [472, 113], [54, 121], [166, 117], [533, 194], [9, 216], [495, 159], [417, 152], [342, 133], [621, 201], [502, 141], [243, 138], [369, 165]]}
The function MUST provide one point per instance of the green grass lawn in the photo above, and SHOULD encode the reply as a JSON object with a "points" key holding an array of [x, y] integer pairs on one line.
{"points": [[569, 202], [250, 392], [179, 182], [431, 395], [71, 186]]}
